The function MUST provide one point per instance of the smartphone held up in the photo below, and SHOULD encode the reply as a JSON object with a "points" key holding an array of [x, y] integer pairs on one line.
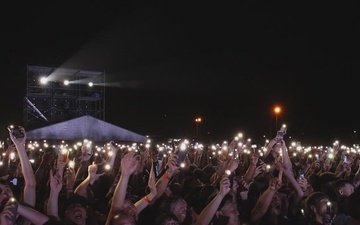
{"points": [[16, 131], [281, 133]]}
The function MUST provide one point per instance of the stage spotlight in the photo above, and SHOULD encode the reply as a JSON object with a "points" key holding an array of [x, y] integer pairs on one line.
{"points": [[43, 80], [91, 84], [66, 82]]}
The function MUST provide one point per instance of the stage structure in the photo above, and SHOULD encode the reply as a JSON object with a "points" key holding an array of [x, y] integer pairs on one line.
{"points": [[64, 94]]}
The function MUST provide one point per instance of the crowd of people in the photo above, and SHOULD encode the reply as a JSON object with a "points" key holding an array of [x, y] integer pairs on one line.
{"points": [[181, 186]]}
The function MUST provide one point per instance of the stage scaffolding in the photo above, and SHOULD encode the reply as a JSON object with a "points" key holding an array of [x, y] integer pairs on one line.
{"points": [[55, 102]]}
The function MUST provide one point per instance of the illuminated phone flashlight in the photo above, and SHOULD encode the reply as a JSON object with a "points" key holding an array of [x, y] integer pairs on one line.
{"points": [[227, 172], [328, 207], [182, 147], [268, 168], [12, 155], [107, 167], [182, 165], [71, 163], [64, 151], [12, 199]]}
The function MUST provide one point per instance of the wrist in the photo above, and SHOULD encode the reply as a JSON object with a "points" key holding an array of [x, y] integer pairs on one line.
{"points": [[166, 176], [272, 189], [170, 173], [147, 199]]}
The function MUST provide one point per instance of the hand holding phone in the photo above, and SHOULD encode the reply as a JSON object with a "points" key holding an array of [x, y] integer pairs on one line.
{"points": [[281, 133], [11, 208], [181, 152], [181, 155], [16, 131], [230, 175], [301, 174]]}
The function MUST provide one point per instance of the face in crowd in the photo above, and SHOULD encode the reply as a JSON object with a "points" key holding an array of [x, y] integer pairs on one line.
{"points": [[5, 193], [179, 209], [76, 213], [229, 210]]}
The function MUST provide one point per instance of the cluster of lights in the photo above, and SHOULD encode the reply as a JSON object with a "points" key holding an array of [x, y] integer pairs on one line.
{"points": [[44, 80], [238, 146], [67, 151]]}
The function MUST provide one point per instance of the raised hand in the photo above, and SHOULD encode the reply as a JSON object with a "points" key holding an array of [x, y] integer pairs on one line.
{"points": [[55, 182], [152, 182], [70, 177], [92, 172], [259, 169], [19, 140], [231, 164], [171, 164], [303, 182], [224, 185], [129, 163], [9, 213], [276, 182]]}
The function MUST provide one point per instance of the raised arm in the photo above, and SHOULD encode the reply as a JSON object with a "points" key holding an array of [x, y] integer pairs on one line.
{"points": [[210, 209], [250, 172], [289, 176], [29, 193], [164, 180], [90, 179], [34, 216], [55, 188], [147, 199], [129, 163], [269, 147], [285, 156], [265, 199]]}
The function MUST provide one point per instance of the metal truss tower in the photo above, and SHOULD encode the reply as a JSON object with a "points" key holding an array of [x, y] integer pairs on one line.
{"points": [[56, 101]]}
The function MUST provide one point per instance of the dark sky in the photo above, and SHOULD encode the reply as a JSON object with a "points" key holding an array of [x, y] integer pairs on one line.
{"points": [[227, 62]]}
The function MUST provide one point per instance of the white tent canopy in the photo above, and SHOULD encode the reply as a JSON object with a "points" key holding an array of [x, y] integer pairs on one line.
{"points": [[84, 127]]}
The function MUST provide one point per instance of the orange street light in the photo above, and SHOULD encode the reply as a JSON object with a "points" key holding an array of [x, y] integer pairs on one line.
{"points": [[197, 121], [277, 111]]}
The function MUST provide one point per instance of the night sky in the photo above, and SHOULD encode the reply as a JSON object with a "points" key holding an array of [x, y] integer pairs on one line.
{"points": [[169, 63]]}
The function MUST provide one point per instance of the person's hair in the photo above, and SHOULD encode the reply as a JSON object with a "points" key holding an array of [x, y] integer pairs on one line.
{"points": [[119, 214], [164, 217], [176, 188], [313, 200], [168, 204], [337, 185]]}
